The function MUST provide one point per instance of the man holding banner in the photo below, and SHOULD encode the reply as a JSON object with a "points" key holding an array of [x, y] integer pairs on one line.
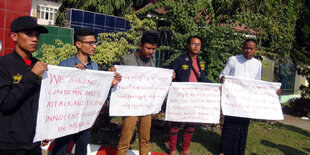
{"points": [[143, 57], [85, 43], [19, 89], [188, 68], [235, 129]]}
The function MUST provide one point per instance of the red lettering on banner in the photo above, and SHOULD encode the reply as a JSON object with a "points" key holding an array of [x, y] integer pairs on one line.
{"points": [[136, 106], [124, 87], [59, 92], [93, 93], [61, 117], [90, 113], [56, 104], [76, 125], [57, 79], [77, 92], [82, 81], [65, 104], [61, 129], [145, 77]]}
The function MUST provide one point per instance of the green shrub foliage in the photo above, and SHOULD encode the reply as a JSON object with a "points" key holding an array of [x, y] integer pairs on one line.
{"points": [[215, 21], [272, 21], [111, 45]]}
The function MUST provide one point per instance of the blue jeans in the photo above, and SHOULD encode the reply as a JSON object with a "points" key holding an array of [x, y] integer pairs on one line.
{"points": [[80, 139]]}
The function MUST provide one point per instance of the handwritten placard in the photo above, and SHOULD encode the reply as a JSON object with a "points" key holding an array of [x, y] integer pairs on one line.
{"points": [[141, 91], [70, 100], [193, 102], [251, 98]]}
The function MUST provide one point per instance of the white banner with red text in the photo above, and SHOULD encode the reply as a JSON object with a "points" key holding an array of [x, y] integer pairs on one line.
{"points": [[70, 100], [251, 99], [193, 102], [142, 90]]}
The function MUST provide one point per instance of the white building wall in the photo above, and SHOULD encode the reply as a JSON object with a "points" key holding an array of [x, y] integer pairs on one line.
{"points": [[45, 11]]}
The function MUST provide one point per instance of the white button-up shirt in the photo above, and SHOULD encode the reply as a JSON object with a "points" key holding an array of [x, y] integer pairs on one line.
{"points": [[241, 67]]}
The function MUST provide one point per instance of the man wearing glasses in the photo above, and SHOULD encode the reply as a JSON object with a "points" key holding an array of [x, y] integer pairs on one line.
{"points": [[188, 68], [85, 42]]}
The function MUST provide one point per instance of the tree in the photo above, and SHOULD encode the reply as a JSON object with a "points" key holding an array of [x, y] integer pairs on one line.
{"points": [[110, 7], [215, 21], [301, 52], [111, 45]]}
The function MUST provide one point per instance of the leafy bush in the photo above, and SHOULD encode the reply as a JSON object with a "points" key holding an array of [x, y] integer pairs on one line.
{"points": [[111, 45], [299, 106], [215, 21]]}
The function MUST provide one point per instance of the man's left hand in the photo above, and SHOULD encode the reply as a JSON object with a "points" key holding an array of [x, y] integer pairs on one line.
{"points": [[117, 78], [45, 142], [173, 75]]}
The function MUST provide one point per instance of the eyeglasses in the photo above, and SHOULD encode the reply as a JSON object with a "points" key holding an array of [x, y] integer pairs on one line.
{"points": [[90, 43], [195, 44]]}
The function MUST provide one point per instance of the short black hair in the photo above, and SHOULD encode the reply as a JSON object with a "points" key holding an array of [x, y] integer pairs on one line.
{"points": [[250, 40], [82, 33], [149, 37], [189, 39]]}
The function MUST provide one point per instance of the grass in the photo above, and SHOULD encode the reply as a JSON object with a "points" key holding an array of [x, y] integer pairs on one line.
{"points": [[266, 138], [263, 138]]}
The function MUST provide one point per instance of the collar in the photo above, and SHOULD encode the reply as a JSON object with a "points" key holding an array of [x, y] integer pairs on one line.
{"points": [[137, 55], [19, 58], [77, 60]]}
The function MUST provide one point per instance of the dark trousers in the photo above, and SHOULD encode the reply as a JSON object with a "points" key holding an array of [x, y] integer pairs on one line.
{"points": [[80, 139], [35, 151], [187, 135], [234, 135]]}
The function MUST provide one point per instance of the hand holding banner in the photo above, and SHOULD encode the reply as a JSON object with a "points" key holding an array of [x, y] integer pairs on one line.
{"points": [[70, 100], [251, 98], [141, 91], [193, 102]]}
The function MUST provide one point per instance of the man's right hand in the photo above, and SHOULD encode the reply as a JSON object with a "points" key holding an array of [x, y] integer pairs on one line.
{"points": [[39, 68], [80, 66], [112, 69], [222, 80]]}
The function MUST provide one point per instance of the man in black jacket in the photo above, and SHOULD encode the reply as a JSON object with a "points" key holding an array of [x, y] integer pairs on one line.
{"points": [[188, 68], [19, 89]]}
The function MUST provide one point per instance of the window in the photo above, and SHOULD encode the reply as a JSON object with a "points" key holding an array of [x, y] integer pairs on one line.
{"points": [[56, 1], [46, 13]]}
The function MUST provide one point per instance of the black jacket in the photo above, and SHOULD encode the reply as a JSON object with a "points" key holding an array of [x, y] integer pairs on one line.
{"points": [[19, 96], [182, 67]]}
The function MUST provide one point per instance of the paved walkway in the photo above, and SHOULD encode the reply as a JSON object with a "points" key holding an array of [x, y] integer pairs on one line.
{"points": [[296, 121], [93, 149]]}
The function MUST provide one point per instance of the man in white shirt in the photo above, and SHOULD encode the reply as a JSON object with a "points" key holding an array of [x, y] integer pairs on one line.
{"points": [[235, 129]]}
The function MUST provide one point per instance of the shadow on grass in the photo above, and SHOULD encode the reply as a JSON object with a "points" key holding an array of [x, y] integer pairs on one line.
{"points": [[287, 150], [293, 128], [159, 134], [307, 149], [106, 134], [209, 139]]}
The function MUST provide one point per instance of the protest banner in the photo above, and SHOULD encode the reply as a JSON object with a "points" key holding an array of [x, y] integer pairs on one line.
{"points": [[251, 98], [70, 100], [141, 92], [193, 102]]}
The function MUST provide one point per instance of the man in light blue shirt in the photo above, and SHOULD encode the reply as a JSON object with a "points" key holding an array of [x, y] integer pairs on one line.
{"points": [[85, 42]]}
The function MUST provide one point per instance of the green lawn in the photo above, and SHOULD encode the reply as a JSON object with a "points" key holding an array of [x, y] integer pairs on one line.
{"points": [[278, 138], [263, 138]]}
